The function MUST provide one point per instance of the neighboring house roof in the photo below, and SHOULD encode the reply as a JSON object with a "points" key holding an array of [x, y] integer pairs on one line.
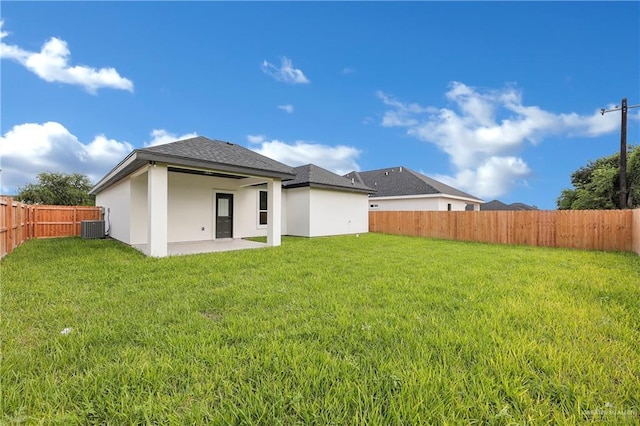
{"points": [[199, 152], [313, 176], [399, 181], [499, 205]]}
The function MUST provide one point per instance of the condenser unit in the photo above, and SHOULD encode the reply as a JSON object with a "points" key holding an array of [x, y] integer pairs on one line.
{"points": [[92, 229]]}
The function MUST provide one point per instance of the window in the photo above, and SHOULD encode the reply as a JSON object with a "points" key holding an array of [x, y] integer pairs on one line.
{"points": [[223, 207], [449, 207], [262, 208]]}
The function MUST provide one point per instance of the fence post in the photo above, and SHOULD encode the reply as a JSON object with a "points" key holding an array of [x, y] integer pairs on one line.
{"points": [[35, 221], [29, 232], [31, 212], [9, 225], [3, 234], [19, 225]]}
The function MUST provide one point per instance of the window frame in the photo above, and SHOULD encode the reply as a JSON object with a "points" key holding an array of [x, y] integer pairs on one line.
{"points": [[262, 212]]}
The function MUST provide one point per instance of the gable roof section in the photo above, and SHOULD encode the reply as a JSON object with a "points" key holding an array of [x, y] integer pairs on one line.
{"points": [[313, 176], [199, 152], [399, 181]]}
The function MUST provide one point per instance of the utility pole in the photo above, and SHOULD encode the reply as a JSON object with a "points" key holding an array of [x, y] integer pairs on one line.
{"points": [[623, 148]]}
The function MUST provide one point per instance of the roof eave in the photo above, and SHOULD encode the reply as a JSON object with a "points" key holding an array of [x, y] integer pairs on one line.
{"points": [[112, 177], [327, 186], [438, 195], [191, 162], [140, 157]]}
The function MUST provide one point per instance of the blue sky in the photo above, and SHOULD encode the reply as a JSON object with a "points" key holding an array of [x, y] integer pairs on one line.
{"points": [[497, 99]]}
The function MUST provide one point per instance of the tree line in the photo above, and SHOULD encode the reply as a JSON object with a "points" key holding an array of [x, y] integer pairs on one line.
{"points": [[61, 189], [597, 184]]}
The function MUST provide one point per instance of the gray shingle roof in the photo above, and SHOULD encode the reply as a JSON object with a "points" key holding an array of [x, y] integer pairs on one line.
{"points": [[398, 181], [218, 152], [499, 205], [317, 177], [199, 152]]}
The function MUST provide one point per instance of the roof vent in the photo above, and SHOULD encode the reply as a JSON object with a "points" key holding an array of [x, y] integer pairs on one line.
{"points": [[352, 181], [229, 143], [386, 173], [400, 169]]}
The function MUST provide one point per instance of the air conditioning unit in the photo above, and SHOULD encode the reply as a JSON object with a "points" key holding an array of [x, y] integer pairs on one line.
{"points": [[92, 229]]}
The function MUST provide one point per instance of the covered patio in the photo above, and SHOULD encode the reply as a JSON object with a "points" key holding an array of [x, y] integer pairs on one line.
{"points": [[211, 246], [194, 196]]}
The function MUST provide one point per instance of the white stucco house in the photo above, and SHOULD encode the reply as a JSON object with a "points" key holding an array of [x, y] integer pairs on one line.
{"points": [[402, 189], [199, 189]]}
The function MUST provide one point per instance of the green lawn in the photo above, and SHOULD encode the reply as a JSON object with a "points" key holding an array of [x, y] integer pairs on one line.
{"points": [[367, 330]]}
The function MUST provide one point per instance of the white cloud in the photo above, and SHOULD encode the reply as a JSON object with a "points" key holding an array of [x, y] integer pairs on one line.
{"points": [[161, 136], [31, 148], [402, 114], [52, 64], [348, 70], [339, 159], [492, 178], [286, 73], [483, 130], [287, 108], [256, 138]]}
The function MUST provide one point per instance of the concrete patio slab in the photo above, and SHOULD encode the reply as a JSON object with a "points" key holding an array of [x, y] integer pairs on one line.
{"points": [[194, 247]]}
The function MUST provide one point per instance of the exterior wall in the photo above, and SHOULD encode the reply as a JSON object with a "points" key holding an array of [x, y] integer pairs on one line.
{"points": [[417, 204], [456, 205], [245, 220], [274, 216], [115, 200], [298, 211], [337, 212], [192, 207], [139, 209], [313, 212], [285, 212], [158, 202]]}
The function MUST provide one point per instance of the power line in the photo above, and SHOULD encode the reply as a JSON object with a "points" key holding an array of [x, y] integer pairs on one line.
{"points": [[623, 147]]}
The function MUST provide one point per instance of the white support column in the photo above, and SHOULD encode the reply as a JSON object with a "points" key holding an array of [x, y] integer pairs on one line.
{"points": [[157, 193], [274, 212], [476, 207]]}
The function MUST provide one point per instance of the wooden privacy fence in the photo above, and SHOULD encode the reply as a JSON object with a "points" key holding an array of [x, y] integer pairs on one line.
{"points": [[636, 231], [20, 222], [582, 229]]}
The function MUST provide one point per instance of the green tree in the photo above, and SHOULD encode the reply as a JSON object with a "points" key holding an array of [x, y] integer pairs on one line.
{"points": [[597, 185], [633, 176], [59, 189]]}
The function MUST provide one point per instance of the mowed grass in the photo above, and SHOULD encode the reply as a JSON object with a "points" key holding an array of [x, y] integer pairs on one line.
{"points": [[366, 330]]}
